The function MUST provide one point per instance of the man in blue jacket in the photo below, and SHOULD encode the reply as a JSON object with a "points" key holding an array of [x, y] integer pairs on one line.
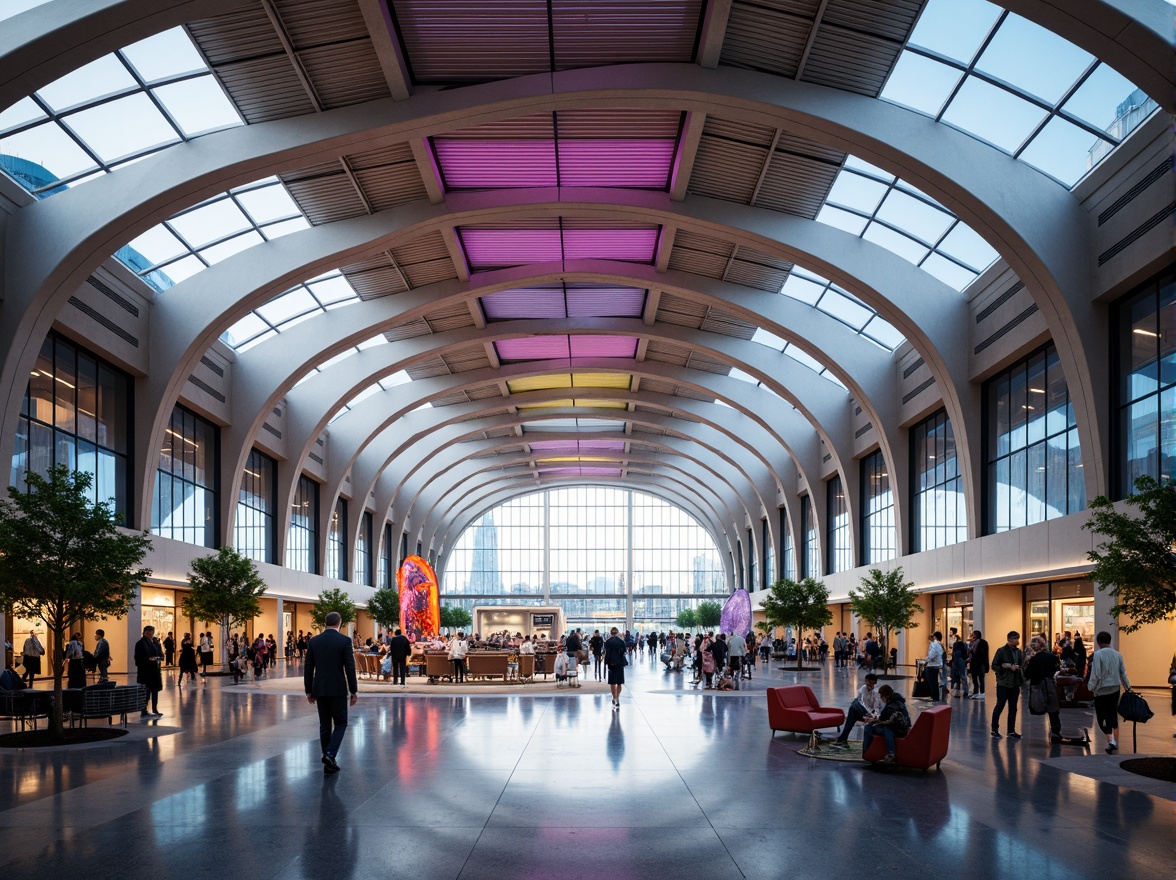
{"points": [[328, 679]]}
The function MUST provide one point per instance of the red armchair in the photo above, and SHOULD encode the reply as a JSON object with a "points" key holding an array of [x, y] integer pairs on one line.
{"points": [[926, 744], [795, 709]]}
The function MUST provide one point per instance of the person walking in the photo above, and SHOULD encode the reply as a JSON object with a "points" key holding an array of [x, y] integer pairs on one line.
{"points": [[398, 650], [737, 650], [934, 666], [596, 643], [148, 660], [102, 655], [169, 650], [187, 659], [1008, 662], [615, 659], [1043, 665], [31, 656], [977, 663], [328, 679], [1107, 672], [959, 667]]}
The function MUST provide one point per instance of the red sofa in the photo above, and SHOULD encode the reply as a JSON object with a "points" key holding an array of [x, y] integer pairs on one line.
{"points": [[926, 744], [795, 709]]}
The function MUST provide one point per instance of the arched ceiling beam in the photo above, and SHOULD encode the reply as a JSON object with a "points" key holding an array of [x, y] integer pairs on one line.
{"points": [[426, 490], [417, 440], [639, 483], [476, 474], [800, 440], [476, 496], [45, 43], [1042, 232]]}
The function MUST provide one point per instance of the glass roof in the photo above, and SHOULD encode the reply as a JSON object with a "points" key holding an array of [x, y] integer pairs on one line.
{"points": [[314, 297], [839, 303], [143, 98], [1017, 86], [774, 342], [872, 204], [400, 377], [214, 230]]}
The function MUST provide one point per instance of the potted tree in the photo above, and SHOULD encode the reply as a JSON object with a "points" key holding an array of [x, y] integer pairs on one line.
{"points": [[888, 603], [63, 560], [226, 588], [803, 605], [384, 608], [708, 614], [330, 600]]}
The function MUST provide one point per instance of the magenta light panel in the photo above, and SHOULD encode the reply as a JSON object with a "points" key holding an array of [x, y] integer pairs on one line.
{"points": [[487, 248], [564, 302]]}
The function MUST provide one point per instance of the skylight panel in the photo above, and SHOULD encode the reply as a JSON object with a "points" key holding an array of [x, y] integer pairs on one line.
{"points": [[956, 30], [210, 222], [287, 306], [968, 246], [164, 55], [742, 376], [198, 105], [802, 289], [245, 329], [22, 112], [993, 114], [332, 290], [844, 309], [268, 204], [1025, 90], [896, 243], [950, 273], [50, 149], [398, 378], [914, 216], [102, 77], [768, 338], [857, 192], [108, 113], [854, 224], [1034, 59], [883, 332], [226, 249]]}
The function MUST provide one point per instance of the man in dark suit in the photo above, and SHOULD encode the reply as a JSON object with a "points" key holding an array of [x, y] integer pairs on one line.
{"points": [[148, 657], [399, 649], [328, 679]]}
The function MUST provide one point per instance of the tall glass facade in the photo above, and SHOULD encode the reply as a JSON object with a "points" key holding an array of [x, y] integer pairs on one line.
{"points": [[76, 412], [787, 554], [302, 541], [1146, 383], [185, 506], [1032, 458], [603, 554], [938, 515], [879, 539], [809, 557], [337, 542], [363, 551], [838, 545], [254, 528], [385, 574]]}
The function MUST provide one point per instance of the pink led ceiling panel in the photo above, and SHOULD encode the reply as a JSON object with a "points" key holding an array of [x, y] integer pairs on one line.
{"points": [[496, 247], [632, 163], [564, 302], [496, 164], [549, 347]]}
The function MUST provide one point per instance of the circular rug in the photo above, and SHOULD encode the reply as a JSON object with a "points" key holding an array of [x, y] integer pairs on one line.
{"points": [[820, 749]]}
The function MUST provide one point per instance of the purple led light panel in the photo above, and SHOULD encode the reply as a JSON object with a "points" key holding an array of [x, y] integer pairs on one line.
{"points": [[529, 348], [564, 302], [631, 245], [548, 347], [496, 164], [580, 472], [603, 346], [489, 248], [635, 163], [510, 247]]}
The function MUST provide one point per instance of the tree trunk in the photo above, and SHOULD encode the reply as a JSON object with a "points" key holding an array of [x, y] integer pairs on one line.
{"points": [[57, 659], [224, 643]]}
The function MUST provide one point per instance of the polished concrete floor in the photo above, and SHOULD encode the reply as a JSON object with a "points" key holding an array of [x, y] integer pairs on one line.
{"points": [[678, 782]]}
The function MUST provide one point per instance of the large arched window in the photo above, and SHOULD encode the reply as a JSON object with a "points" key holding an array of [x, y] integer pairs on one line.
{"points": [[610, 557]]}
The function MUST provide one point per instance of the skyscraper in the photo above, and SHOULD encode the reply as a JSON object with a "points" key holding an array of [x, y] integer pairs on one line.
{"points": [[484, 577]]}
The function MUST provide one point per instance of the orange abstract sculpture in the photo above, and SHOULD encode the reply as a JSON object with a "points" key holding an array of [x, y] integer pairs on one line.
{"points": [[420, 607]]}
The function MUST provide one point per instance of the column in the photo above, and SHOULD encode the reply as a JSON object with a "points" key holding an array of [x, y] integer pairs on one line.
{"points": [[280, 635], [629, 562]]}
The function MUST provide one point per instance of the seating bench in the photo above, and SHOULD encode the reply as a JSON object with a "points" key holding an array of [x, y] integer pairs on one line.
{"points": [[795, 709], [25, 707], [104, 701]]}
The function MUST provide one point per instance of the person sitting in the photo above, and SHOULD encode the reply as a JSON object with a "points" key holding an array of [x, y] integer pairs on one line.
{"points": [[895, 721], [867, 706]]}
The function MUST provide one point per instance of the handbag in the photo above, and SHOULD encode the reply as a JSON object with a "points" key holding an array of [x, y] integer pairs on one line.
{"points": [[1037, 699], [1133, 707], [921, 689]]}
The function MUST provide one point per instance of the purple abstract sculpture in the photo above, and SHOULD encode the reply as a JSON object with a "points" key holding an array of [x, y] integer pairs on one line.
{"points": [[736, 615]]}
